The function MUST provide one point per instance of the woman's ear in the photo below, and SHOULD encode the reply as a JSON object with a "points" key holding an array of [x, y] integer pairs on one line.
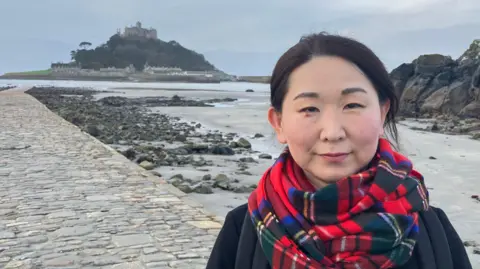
{"points": [[275, 119]]}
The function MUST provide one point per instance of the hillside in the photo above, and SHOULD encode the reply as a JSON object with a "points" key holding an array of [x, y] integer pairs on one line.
{"points": [[120, 52], [435, 84]]}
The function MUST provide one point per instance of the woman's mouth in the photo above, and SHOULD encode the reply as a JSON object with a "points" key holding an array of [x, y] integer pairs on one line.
{"points": [[335, 157]]}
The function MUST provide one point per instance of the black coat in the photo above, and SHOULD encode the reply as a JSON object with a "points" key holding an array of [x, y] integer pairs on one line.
{"points": [[438, 245]]}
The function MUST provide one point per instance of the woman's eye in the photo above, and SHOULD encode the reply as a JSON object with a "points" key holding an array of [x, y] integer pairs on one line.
{"points": [[309, 109], [353, 105]]}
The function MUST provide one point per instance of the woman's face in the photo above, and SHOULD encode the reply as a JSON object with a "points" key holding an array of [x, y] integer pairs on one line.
{"points": [[331, 119]]}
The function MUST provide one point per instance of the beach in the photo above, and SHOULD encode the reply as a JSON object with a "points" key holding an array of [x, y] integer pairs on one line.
{"points": [[449, 163]]}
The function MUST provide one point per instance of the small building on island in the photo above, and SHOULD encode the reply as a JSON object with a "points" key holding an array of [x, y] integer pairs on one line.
{"points": [[138, 31]]}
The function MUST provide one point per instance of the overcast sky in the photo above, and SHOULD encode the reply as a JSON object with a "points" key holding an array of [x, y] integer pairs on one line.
{"points": [[240, 37]]}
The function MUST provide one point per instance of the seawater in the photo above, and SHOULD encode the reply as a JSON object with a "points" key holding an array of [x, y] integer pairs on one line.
{"points": [[105, 85]]}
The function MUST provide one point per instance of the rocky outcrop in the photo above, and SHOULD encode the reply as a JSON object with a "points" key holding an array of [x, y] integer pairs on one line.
{"points": [[436, 84], [121, 52], [4, 88], [153, 140]]}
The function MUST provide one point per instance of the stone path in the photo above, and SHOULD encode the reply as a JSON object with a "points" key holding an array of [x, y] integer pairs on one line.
{"points": [[68, 201]]}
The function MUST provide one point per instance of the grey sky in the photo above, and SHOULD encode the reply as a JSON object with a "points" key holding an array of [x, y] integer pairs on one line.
{"points": [[241, 37]]}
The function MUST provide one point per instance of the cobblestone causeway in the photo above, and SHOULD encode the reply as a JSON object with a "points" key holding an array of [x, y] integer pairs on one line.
{"points": [[68, 201]]}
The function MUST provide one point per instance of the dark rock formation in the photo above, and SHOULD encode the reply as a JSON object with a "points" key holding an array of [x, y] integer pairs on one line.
{"points": [[435, 85], [4, 88]]}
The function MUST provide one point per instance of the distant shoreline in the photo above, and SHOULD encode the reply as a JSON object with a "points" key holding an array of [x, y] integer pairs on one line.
{"points": [[255, 79], [249, 79], [112, 79]]}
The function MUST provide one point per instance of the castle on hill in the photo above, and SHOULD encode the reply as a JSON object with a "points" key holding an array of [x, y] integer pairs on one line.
{"points": [[138, 31]]}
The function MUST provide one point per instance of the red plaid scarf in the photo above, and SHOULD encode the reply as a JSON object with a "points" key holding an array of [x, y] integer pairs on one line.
{"points": [[365, 221]]}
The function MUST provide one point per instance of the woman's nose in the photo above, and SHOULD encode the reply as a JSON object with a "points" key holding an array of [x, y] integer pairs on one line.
{"points": [[331, 127]]}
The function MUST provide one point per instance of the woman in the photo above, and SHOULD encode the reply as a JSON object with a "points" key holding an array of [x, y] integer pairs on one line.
{"points": [[340, 196]]}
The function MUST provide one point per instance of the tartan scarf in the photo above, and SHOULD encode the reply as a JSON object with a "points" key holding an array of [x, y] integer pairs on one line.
{"points": [[364, 221]]}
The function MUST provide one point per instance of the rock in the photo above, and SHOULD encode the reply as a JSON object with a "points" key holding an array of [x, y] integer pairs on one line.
{"points": [[471, 110], [434, 127], [432, 63], [470, 243], [258, 135], [180, 176], [147, 165], [242, 189], [129, 153], [185, 187], [144, 158], [265, 156], [249, 90], [156, 173], [220, 100], [244, 173], [400, 75], [197, 148], [181, 138], [221, 177], [435, 84], [176, 182], [247, 160], [432, 158], [222, 182], [243, 143], [4, 88], [116, 101], [202, 188], [221, 150], [476, 136], [469, 127], [93, 130]]}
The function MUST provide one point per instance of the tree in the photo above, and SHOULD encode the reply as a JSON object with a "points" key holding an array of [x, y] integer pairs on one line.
{"points": [[114, 41], [73, 53], [85, 44]]}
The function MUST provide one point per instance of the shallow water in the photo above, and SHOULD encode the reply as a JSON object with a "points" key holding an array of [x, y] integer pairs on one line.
{"points": [[105, 85]]}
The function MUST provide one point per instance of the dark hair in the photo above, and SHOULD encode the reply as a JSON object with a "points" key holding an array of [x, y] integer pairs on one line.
{"points": [[324, 44]]}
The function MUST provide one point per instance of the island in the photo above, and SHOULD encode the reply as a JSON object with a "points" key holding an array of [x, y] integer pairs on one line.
{"points": [[136, 54]]}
